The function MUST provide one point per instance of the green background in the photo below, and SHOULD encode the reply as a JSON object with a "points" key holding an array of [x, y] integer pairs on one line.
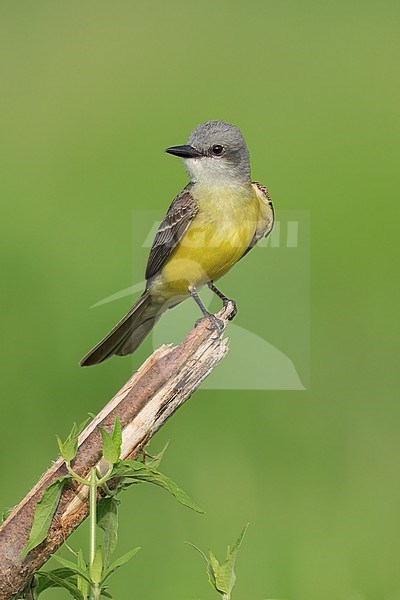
{"points": [[92, 92]]}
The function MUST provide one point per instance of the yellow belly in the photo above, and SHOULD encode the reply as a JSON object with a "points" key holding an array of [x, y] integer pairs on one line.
{"points": [[216, 239]]}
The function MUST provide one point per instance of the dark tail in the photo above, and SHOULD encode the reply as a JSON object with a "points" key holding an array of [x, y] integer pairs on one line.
{"points": [[127, 335]]}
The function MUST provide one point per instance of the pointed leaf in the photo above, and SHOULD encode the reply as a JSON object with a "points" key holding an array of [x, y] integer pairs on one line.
{"points": [[214, 561], [64, 583], [111, 451], [117, 435], [83, 585], [44, 583], [82, 425], [210, 571], [119, 562], [124, 468], [165, 482], [141, 472], [74, 567], [107, 520], [226, 577], [70, 446], [96, 568], [60, 445], [239, 541], [216, 571], [44, 513]]}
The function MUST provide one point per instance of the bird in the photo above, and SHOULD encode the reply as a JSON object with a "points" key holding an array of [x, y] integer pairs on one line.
{"points": [[212, 224]]}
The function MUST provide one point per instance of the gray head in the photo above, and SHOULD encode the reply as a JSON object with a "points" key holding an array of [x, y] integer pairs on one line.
{"points": [[215, 153]]}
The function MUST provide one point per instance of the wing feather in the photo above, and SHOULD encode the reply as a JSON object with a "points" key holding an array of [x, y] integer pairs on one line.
{"points": [[177, 220]]}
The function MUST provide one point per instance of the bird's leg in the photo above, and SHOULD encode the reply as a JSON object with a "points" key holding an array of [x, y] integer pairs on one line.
{"points": [[196, 298], [224, 299], [217, 323]]}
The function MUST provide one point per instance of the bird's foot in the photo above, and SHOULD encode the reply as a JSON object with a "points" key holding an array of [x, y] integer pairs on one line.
{"points": [[214, 324], [225, 301]]}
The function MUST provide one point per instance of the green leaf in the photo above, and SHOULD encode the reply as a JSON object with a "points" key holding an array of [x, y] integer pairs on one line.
{"points": [[83, 585], [76, 568], [107, 520], [43, 516], [106, 594], [60, 445], [210, 572], [123, 468], [69, 448], [64, 583], [82, 426], [96, 568], [214, 561], [165, 482], [137, 472], [112, 442], [222, 577], [117, 435], [225, 577], [239, 541], [111, 448], [119, 562], [44, 583]]}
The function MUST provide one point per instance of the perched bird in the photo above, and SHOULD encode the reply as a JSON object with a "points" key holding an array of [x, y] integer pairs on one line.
{"points": [[216, 219]]}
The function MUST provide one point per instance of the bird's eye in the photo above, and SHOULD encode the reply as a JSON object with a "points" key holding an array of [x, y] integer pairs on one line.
{"points": [[217, 150]]}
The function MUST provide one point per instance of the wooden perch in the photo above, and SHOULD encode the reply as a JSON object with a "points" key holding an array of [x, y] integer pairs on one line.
{"points": [[161, 385]]}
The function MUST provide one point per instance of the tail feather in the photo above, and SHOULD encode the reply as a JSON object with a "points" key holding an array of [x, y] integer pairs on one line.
{"points": [[133, 341], [127, 335]]}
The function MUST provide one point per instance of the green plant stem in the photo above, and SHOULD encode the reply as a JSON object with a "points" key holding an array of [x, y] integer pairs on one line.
{"points": [[76, 476], [93, 513], [105, 487], [83, 481], [106, 477], [92, 525]]}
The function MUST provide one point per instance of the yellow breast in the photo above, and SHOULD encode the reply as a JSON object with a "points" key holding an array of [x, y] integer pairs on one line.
{"points": [[216, 239]]}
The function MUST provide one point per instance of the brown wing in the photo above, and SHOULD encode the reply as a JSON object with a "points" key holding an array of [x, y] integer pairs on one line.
{"points": [[266, 217], [178, 218]]}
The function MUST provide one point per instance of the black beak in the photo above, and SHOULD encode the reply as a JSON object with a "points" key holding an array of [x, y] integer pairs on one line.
{"points": [[185, 151]]}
